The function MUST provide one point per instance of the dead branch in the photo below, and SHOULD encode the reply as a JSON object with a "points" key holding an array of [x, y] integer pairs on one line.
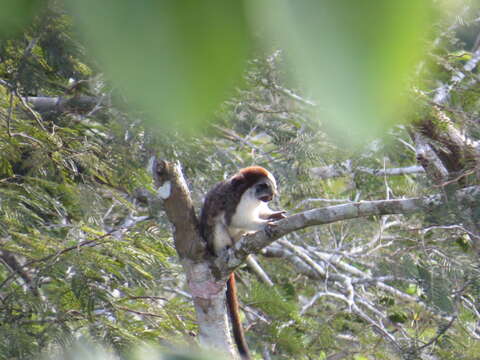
{"points": [[254, 243]]}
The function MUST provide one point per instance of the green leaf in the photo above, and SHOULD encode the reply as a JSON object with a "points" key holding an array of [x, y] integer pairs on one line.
{"points": [[360, 357], [176, 59], [16, 14], [353, 56], [5, 168]]}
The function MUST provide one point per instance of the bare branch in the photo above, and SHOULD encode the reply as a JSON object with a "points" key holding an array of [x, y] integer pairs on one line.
{"points": [[258, 270], [301, 267], [292, 95], [346, 169], [443, 92], [35, 115], [427, 157], [173, 191], [206, 286], [129, 222], [58, 104], [254, 243]]}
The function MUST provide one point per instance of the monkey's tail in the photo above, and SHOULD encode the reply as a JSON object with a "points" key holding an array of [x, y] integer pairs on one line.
{"points": [[234, 311]]}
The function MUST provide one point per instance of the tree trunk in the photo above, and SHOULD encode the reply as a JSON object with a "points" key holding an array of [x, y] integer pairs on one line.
{"points": [[207, 289]]}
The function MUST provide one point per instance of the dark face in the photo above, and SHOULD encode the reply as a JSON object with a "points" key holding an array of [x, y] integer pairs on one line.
{"points": [[264, 191]]}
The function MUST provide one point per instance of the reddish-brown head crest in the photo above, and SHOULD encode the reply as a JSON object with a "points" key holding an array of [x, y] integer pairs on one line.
{"points": [[250, 175]]}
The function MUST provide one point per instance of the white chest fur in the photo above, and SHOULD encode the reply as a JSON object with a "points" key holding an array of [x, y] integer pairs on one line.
{"points": [[251, 214], [247, 216]]}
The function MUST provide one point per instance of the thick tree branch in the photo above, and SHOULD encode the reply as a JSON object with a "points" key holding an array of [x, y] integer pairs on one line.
{"points": [[205, 284], [254, 243], [58, 104], [173, 191], [428, 158]]}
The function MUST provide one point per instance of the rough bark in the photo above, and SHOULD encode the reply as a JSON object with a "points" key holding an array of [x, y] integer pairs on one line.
{"points": [[172, 189], [206, 285]]}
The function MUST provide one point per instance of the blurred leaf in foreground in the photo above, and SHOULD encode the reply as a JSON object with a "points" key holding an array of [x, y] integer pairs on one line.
{"points": [[176, 59], [353, 56], [14, 15]]}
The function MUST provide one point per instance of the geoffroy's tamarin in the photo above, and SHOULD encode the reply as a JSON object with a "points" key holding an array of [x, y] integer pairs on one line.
{"points": [[231, 209]]}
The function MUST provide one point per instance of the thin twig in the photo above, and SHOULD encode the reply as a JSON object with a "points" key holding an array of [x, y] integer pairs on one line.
{"points": [[36, 116], [141, 313], [9, 116], [465, 174], [442, 331]]}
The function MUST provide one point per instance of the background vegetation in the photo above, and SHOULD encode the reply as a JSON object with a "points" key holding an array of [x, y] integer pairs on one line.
{"points": [[85, 256]]}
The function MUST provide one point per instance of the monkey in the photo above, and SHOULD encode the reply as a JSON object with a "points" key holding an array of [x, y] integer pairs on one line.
{"points": [[233, 208], [236, 206]]}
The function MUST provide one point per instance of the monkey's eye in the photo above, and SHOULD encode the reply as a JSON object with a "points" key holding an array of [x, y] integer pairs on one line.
{"points": [[263, 186], [264, 192]]}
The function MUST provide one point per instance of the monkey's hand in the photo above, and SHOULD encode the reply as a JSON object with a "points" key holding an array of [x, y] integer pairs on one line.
{"points": [[278, 215], [270, 228]]}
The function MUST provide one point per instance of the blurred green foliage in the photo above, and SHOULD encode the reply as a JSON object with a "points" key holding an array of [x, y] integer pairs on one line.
{"points": [[354, 57], [178, 60], [15, 15], [70, 178]]}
